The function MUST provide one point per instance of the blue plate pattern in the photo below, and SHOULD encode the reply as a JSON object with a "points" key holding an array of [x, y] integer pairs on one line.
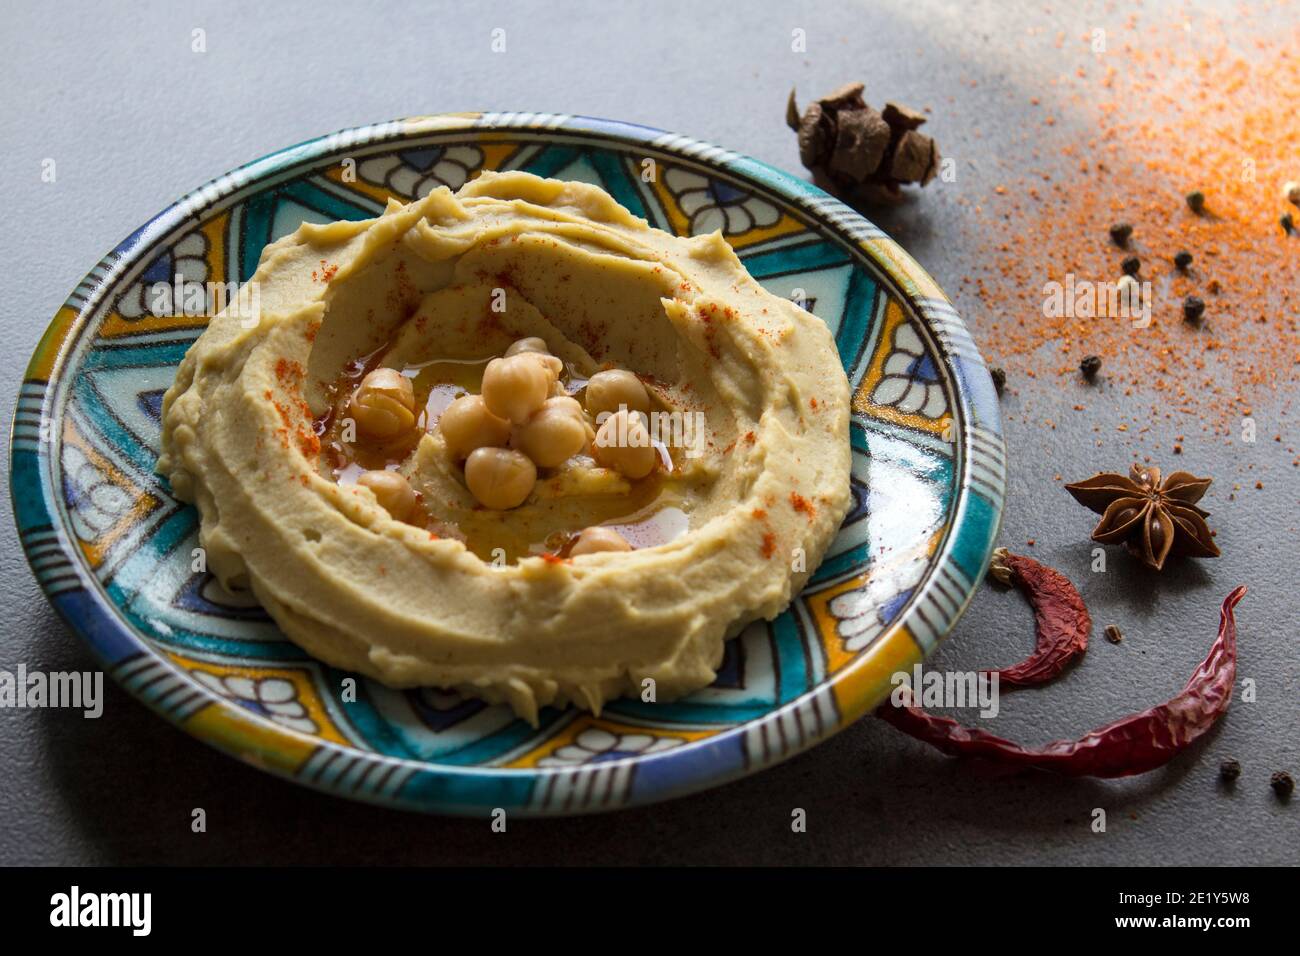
{"points": [[114, 551]]}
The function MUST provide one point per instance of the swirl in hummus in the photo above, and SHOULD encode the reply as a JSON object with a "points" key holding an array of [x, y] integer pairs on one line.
{"points": [[605, 577]]}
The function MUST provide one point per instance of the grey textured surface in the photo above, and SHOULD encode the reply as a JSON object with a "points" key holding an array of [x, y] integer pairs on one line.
{"points": [[134, 119]]}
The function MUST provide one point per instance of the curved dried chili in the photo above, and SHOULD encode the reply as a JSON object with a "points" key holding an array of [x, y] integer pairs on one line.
{"points": [[1061, 620], [1131, 745]]}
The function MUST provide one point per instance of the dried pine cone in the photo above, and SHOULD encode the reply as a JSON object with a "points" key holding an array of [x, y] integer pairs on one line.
{"points": [[851, 146]]}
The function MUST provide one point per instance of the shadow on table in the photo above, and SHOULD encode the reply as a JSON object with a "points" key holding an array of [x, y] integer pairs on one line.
{"points": [[131, 784]]}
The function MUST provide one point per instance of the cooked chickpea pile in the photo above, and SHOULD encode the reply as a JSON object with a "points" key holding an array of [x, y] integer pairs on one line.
{"points": [[521, 421]]}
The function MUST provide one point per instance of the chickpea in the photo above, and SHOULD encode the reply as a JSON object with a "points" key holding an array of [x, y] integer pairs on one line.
{"points": [[536, 346], [516, 387], [499, 477], [393, 491], [595, 539], [569, 404], [606, 391], [623, 443], [383, 406], [466, 424], [556, 432], [389, 381], [534, 343]]}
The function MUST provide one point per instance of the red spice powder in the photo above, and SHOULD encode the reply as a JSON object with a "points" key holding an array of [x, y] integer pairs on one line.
{"points": [[289, 373], [325, 273], [769, 545], [802, 505], [308, 443], [708, 314], [1159, 116]]}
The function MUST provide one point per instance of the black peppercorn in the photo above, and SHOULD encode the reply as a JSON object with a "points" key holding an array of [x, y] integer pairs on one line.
{"points": [[999, 379], [1229, 770], [1090, 366], [1193, 309], [1131, 265], [1120, 232], [1282, 784], [1182, 260], [1196, 201]]}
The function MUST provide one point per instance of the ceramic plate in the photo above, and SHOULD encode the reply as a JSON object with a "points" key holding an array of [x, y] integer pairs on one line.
{"points": [[113, 549]]}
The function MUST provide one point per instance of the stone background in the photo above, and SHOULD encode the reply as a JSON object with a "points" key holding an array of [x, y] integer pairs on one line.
{"points": [[135, 119]]}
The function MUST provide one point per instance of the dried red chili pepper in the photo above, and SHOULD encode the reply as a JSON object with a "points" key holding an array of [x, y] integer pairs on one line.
{"points": [[1061, 620], [1131, 745]]}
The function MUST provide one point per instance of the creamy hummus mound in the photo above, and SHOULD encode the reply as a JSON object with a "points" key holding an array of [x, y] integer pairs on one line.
{"points": [[604, 578]]}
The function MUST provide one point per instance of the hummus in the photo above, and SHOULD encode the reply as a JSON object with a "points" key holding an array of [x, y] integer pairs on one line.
{"points": [[749, 479]]}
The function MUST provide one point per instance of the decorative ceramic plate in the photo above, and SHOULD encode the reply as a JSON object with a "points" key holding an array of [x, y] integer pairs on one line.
{"points": [[112, 548]]}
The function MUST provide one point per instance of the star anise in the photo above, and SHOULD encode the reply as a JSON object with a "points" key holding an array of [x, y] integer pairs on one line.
{"points": [[1150, 517]]}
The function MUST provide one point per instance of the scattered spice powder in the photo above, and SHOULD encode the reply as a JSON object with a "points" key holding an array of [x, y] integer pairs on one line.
{"points": [[1177, 117], [288, 373], [308, 444]]}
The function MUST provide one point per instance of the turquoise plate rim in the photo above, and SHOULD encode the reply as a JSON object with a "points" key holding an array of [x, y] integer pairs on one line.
{"points": [[967, 544]]}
